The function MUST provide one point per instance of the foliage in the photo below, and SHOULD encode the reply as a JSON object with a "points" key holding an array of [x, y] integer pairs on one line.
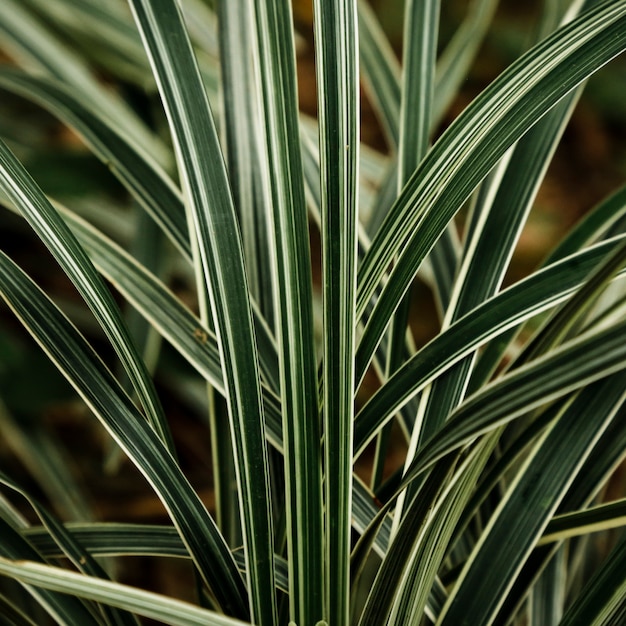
{"points": [[510, 420]]}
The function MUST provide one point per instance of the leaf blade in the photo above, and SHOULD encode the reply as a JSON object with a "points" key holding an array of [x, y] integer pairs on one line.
{"points": [[211, 207]]}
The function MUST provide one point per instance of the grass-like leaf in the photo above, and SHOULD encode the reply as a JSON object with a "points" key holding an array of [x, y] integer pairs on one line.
{"points": [[40, 48], [72, 550], [293, 309], [517, 99], [165, 610], [533, 496], [488, 321], [86, 372], [65, 609], [290, 267], [337, 71], [212, 213], [132, 165], [45, 221]]}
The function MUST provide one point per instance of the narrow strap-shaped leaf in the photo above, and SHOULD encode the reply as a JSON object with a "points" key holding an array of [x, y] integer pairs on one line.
{"points": [[512, 104], [52, 230], [509, 308], [128, 160], [211, 207], [590, 228], [457, 57], [294, 310], [428, 516], [12, 615], [431, 544], [595, 519], [241, 121], [164, 609], [601, 602], [65, 610], [241, 118], [381, 71], [606, 456], [114, 539], [419, 52], [338, 93], [78, 362], [418, 70], [498, 217], [147, 246], [573, 365], [241, 155], [109, 29], [548, 595], [491, 247], [530, 501], [609, 211], [72, 550], [176, 323]]}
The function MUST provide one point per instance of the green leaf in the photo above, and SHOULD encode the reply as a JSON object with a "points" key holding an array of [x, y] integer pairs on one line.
{"points": [[164, 609], [294, 310], [212, 213], [608, 453], [52, 230], [65, 610], [241, 122], [128, 160], [548, 595], [602, 600], [576, 523], [71, 549], [85, 371], [457, 57], [40, 49], [509, 308], [111, 539], [530, 501], [381, 71], [176, 323], [418, 68], [498, 217], [105, 32], [241, 116], [471, 147], [573, 365], [338, 105], [414, 556]]}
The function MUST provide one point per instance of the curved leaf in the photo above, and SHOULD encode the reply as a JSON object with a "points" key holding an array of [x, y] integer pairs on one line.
{"points": [[471, 147], [92, 380]]}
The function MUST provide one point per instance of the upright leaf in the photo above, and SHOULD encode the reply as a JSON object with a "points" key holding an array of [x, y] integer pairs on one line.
{"points": [[338, 93], [210, 205], [293, 309]]}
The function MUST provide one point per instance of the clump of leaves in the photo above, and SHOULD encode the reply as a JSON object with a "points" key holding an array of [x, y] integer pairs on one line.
{"points": [[511, 437]]}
